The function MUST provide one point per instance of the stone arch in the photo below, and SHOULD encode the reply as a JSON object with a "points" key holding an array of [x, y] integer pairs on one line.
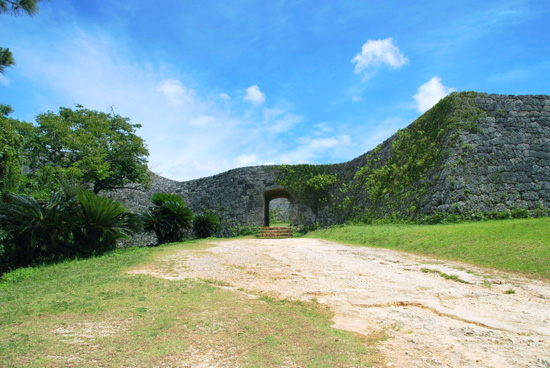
{"points": [[271, 195]]}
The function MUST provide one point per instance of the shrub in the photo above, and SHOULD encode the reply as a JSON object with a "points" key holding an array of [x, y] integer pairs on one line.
{"points": [[71, 222], [169, 218], [520, 213], [104, 221], [206, 224]]}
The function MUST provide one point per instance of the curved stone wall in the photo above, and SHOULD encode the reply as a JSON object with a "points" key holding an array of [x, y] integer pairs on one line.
{"points": [[503, 164]]}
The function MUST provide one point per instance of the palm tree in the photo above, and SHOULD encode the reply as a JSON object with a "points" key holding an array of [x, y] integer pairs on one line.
{"points": [[72, 221], [169, 218], [104, 221], [38, 229], [206, 224]]}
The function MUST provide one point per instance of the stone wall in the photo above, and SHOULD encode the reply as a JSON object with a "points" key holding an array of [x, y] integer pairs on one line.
{"points": [[505, 163], [502, 161]]}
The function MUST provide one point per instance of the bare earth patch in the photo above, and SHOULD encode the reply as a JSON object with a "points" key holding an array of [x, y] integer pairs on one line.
{"points": [[430, 320]]}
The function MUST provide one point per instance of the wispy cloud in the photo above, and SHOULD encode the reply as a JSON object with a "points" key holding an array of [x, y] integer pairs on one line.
{"points": [[175, 92], [246, 160], [309, 148], [430, 93], [4, 80], [377, 52], [191, 130], [203, 120], [513, 75]]}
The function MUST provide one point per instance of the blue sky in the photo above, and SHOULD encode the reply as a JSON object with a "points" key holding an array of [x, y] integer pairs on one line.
{"points": [[224, 84]]}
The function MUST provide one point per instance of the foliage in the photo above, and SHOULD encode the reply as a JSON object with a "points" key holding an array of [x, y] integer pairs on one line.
{"points": [[104, 222], [71, 222], [14, 7], [397, 176], [206, 224], [456, 217], [91, 146], [17, 7], [6, 59], [309, 184], [10, 145], [169, 218]]}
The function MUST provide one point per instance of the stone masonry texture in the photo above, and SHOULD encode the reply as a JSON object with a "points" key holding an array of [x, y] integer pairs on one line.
{"points": [[503, 164]]}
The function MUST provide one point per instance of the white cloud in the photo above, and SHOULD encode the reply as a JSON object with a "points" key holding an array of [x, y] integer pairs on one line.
{"points": [[175, 92], [203, 120], [330, 142], [246, 160], [430, 93], [225, 96], [377, 52], [254, 95]]}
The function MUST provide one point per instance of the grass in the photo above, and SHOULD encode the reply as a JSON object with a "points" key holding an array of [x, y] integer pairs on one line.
{"points": [[90, 313], [519, 245], [444, 275]]}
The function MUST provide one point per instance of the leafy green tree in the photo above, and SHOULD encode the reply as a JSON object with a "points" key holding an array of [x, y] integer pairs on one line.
{"points": [[206, 224], [14, 7], [10, 146], [91, 146], [169, 218]]}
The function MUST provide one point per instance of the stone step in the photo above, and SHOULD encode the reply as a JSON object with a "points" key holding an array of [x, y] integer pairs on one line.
{"points": [[276, 232]]}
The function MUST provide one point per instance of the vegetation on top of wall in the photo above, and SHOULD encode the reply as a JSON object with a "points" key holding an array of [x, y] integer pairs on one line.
{"points": [[310, 184], [398, 186]]}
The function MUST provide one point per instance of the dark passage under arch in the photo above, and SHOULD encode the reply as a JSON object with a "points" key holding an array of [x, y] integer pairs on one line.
{"points": [[271, 195]]}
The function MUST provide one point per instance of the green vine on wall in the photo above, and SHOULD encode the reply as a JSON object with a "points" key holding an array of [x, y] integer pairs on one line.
{"points": [[392, 184], [398, 186], [310, 184]]}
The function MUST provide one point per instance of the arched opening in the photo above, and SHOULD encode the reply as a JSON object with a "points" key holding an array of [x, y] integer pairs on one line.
{"points": [[271, 195]]}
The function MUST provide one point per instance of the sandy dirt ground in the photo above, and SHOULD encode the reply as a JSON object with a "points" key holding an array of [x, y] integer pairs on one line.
{"points": [[430, 320]]}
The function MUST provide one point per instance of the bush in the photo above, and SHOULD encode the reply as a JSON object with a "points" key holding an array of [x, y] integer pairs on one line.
{"points": [[520, 213], [169, 218], [104, 221], [71, 222], [206, 224]]}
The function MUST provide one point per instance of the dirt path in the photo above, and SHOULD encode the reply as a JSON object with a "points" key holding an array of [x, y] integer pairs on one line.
{"points": [[431, 321]]}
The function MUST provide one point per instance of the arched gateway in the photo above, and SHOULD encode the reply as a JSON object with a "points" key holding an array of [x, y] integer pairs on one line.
{"points": [[271, 195]]}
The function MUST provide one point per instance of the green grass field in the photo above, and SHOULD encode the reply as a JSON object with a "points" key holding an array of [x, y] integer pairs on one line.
{"points": [[89, 313], [521, 245]]}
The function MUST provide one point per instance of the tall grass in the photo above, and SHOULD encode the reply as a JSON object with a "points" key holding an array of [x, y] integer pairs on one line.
{"points": [[519, 245]]}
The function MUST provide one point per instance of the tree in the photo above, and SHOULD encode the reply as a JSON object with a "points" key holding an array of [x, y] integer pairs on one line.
{"points": [[14, 7], [10, 145], [90, 146]]}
